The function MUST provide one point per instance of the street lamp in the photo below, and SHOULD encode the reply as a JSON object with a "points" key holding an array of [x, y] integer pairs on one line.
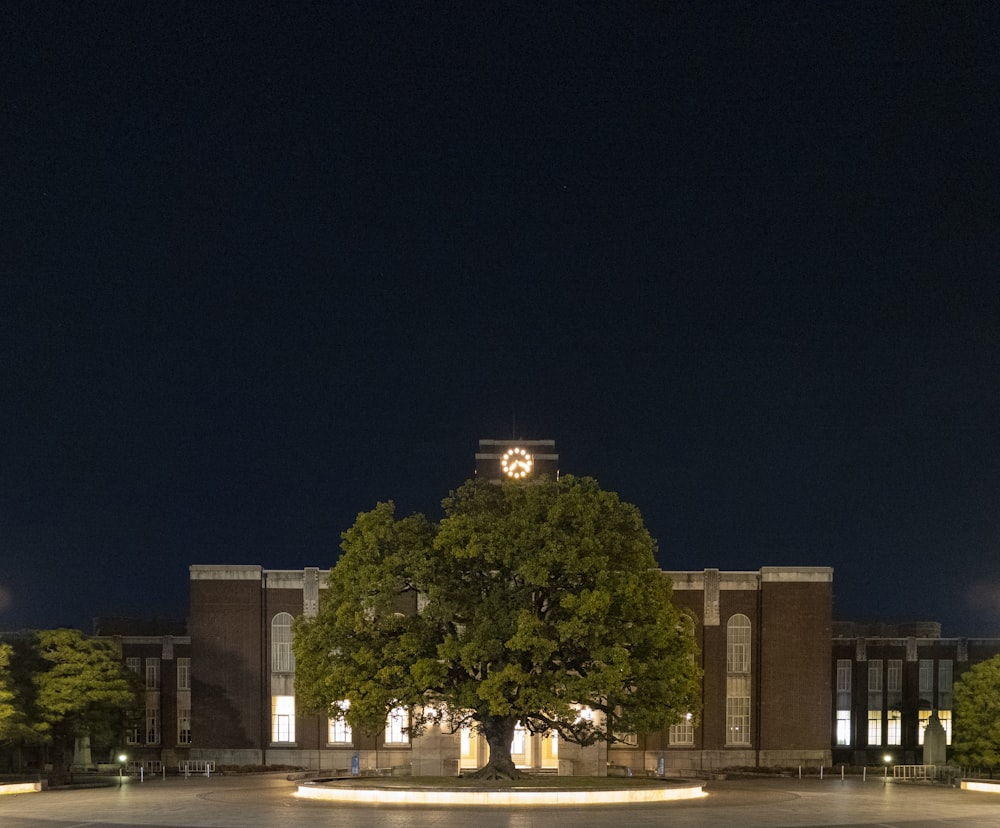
{"points": [[888, 760], [121, 767]]}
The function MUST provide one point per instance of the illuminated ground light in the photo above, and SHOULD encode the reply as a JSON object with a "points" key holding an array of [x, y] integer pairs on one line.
{"points": [[21, 787], [980, 785], [416, 795]]}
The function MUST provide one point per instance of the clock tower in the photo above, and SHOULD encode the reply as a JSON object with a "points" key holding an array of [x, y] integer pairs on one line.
{"points": [[499, 460]]}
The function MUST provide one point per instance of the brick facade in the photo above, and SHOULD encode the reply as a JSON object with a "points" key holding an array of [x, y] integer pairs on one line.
{"points": [[887, 679], [786, 610]]}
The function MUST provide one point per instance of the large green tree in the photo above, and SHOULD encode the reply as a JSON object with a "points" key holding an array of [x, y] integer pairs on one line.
{"points": [[537, 602], [9, 713], [18, 658], [977, 715], [81, 687]]}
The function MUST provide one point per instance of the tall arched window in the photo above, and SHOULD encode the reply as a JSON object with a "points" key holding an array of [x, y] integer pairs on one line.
{"points": [[738, 680], [738, 644], [282, 659]]}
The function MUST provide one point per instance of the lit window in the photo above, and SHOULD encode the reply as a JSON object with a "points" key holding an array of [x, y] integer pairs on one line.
{"points": [[282, 658], [738, 710], [282, 718], [517, 745], [925, 716], [469, 748], [893, 728], [843, 727], [682, 733], [945, 717], [397, 727], [738, 680], [550, 749], [340, 730], [738, 644], [184, 674], [874, 727]]}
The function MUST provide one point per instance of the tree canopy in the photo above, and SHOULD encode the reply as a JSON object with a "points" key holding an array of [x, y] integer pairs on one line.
{"points": [[977, 715], [9, 712], [65, 685], [538, 602]]}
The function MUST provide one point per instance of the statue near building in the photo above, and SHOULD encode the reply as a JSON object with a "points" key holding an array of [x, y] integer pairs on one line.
{"points": [[935, 748]]}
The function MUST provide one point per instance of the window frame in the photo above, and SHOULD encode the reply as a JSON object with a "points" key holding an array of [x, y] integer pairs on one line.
{"points": [[282, 721], [282, 655], [875, 675], [842, 733], [184, 733], [739, 640], [152, 676], [397, 726], [874, 728], [183, 673]]}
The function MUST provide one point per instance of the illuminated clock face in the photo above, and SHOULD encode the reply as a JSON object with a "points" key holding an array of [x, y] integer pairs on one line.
{"points": [[516, 463]]}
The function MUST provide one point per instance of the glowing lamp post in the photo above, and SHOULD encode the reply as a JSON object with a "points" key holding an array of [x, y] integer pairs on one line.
{"points": [[121, 766], [888, 760]]}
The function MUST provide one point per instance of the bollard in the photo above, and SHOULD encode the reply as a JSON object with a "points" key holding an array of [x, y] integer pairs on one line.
{"points": [[142, 773], [800, 771], [864, 774], [820, 773]]}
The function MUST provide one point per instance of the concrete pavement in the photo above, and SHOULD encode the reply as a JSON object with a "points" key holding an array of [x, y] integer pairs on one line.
{"points": [[268, 802]]}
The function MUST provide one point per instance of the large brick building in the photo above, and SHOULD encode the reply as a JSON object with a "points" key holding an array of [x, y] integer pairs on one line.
{"points": [[226, 692], [764, 641], [783, 684], [764, 646], [765, 649], [888, 680]]}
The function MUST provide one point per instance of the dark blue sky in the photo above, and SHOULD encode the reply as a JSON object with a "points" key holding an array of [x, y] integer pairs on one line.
{"points": [[264, 265]]}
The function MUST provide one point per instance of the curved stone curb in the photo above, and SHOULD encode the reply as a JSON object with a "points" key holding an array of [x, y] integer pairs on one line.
{"points": [[21, 787], [417, 795], [982, 785]]}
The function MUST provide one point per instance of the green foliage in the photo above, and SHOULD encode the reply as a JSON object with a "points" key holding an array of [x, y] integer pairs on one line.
{"points": [[59, 684], [82, 687], [9, 713], [977, 715], [536, 600], [363, 646]]}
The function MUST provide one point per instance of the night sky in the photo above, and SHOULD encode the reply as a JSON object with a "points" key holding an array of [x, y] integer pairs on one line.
{"points": [[265, 265]]}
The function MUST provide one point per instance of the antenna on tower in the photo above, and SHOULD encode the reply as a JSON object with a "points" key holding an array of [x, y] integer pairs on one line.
{"points": [[513, 424]]}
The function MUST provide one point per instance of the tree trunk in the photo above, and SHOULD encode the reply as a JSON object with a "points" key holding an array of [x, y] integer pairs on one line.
{"points": [[61, 758], [499, 733]]}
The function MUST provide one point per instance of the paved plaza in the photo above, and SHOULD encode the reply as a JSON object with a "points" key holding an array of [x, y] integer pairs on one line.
{"points": [[269, 802]]}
